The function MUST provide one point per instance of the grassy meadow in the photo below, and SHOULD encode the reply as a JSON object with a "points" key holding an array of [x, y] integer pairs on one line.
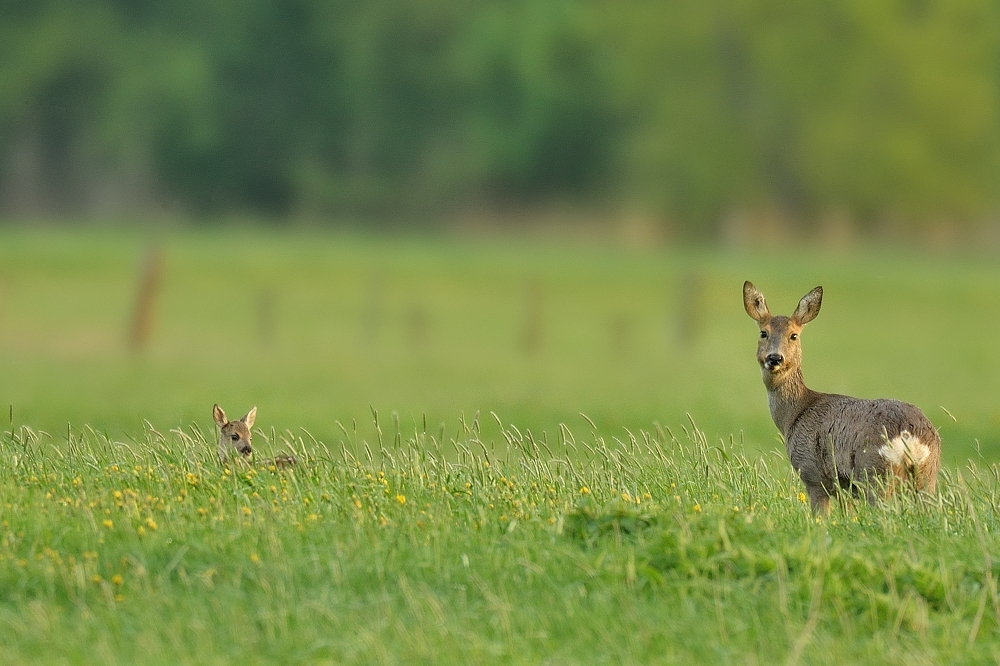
{"points": [[318, 329], [510, 450]]}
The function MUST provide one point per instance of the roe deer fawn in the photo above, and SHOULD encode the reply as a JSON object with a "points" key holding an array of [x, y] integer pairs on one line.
{"points": [[235, 436], [836, 441]]}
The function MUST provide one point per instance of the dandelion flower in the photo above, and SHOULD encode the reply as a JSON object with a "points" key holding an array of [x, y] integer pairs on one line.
{"points": [[151, 524], [401, 499], [117, 579], [109, 524], [697, 508]]}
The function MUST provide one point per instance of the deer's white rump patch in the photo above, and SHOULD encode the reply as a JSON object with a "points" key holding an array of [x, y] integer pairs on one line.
{"points": [[904, 449]]}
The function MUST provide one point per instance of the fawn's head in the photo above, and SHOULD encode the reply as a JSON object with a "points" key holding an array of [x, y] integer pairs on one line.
{"points": [[234, 436], [779, 350]]}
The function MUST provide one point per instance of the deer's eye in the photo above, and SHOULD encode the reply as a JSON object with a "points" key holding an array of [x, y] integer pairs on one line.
{"points": [[236, 437], [763, 335], [793, 336]]}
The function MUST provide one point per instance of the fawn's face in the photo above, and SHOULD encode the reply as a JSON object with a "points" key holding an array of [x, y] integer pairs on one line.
{"points": [[779, 350], [234, 436]]}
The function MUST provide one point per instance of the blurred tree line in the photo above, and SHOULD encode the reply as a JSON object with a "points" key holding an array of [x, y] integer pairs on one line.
{"points": [[691, 108]]}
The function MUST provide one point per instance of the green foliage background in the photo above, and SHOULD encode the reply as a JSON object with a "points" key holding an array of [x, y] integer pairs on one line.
{"points": [[885, 111]]}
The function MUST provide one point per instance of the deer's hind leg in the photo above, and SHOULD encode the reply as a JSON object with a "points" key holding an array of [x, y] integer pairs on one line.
{"points": [[819, 499]]}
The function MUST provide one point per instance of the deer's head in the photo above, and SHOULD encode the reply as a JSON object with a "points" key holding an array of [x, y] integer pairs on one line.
{"points": [[779, 350], [234, 436]]}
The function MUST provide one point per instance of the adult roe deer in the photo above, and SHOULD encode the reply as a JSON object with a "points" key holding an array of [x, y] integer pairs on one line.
{"points": [[836, 441], [234, 436]]}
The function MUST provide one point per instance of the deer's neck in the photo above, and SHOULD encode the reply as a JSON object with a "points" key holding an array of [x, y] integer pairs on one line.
{"points": [[787, 397]]}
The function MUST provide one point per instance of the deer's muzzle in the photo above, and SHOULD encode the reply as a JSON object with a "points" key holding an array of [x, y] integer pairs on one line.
{"points": [[773, 361]]}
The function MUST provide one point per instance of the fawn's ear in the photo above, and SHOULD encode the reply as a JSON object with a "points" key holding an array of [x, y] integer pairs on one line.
{"points": [[754, 303], [250, 417], [219, 416], [809, 306]]}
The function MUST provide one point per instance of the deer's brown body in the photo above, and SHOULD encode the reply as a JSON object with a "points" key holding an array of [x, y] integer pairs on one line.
{"points": [[836, 441]]}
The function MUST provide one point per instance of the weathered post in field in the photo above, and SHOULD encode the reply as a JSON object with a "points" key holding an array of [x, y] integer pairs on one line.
{"points": [[532, 333], [266, 316], [149, 278], [374, 307], [621, 333], [418, 325], [689, 314]]}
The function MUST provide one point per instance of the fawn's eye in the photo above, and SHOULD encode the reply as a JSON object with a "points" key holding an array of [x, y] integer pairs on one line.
{"points": [[793, 336], [236, 437], [763, 334]]}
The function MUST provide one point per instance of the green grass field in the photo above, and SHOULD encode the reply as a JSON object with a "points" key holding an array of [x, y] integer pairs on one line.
{"points": [[447, 534], [319, 328]]}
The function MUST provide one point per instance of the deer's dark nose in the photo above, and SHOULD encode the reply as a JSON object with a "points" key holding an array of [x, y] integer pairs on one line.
{"points": [[773, 361], [245, 449]]}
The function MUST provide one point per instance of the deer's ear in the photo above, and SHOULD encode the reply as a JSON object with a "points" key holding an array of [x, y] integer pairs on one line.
{"points": [[754, 303], [219, 416], [809, 306], [250, 417]]}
